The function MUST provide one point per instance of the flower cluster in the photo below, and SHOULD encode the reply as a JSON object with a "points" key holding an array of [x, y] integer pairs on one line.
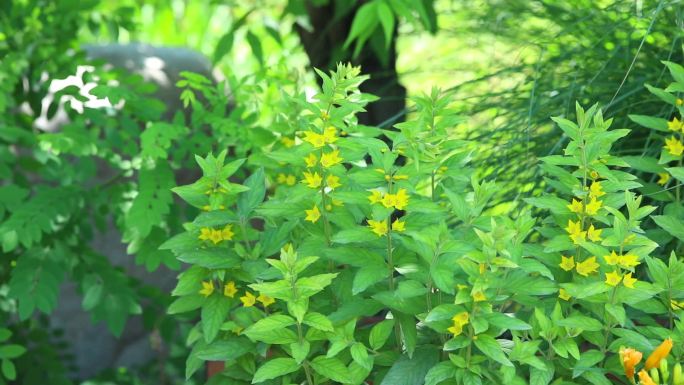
{"points": [[459, 321], [216, 235], [319, 163], [673, 144], [398, 201], [655, 368], [620, 262], [229, 290]]}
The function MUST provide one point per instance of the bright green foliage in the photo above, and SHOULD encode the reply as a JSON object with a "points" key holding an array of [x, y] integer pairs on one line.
{"points": [[393, 268]]}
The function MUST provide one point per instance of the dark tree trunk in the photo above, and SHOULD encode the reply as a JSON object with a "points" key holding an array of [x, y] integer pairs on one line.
{"points": [[324, 46]]}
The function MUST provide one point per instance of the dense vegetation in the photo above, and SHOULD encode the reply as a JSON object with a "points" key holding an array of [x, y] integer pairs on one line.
{"points": [[331, 214]]}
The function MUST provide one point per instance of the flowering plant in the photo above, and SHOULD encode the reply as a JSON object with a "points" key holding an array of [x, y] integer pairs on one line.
{"points": [[365, 256]]}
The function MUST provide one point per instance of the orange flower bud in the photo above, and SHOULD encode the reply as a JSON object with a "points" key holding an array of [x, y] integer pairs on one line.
{"points": [[645, 379], [630, 358], [658, 354]]}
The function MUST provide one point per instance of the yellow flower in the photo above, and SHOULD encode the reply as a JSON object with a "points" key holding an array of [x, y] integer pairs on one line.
{"points": [[229, 289], [378, 227], [645, 379], [479, 296], [674, 146], [312, 215], [594, 175], [375, 197], [653, 361], [630, 358], [461, 318], [265, 300], [291, 180], [613, 279], [567, 263], [389, 200], [587, 267], [563, 294], [311, 160], [330, 159], [206, 208], [288, 142], [281, 178], [400, 177], [205, 234], [316, 140], [628, 281], [612, 259], [575, 232], [325, 115], [628, 260], [596, 190], [216, 236], [398, 225], [402, 199], [312, 180], [675, 124], [248, 299], [664, 178], [330, 134], [575, 206], [207, 288], [594, 234], [333, 181], [455, 329], [593, 206], [227, 233]]}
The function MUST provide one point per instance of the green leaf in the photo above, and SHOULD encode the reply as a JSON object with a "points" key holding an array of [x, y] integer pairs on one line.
{"points": [[550, 202], [442, 371], [185, 304], [8, 370], [677, 172], [11, 351], [588, 361], [318, 321], [158, 137], [412, 371], [670, 224], [386, 17], [360, 355], [272, 330], [580, 321], [491, 348], [150, 206], [380, 333], [275, 368], [300, 350], [658, 124], [274, 322], [308, 286], [35, 282], [255, 45], [365, 21], [331, 368], [367, 276], [223, 350], [214, 312], [251, 199], [504, 321]]}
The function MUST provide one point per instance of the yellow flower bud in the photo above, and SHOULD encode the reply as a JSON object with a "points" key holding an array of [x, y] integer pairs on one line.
{"points": [[677, 377]]}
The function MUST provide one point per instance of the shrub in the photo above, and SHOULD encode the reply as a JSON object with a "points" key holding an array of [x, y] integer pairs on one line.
{"points": [[384, 263]]}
